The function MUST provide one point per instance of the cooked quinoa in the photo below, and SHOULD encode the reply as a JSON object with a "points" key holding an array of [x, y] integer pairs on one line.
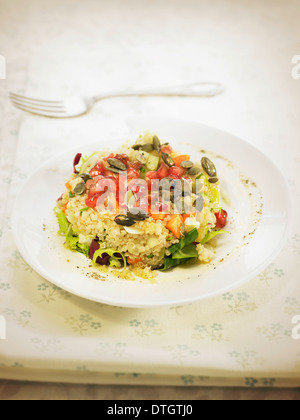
{"points": [[154, 239]]}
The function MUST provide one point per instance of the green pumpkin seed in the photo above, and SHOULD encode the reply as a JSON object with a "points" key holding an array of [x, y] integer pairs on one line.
{"points": [[116, 163], [156, 144], [147, 147], [209, 167], [137, 214], [84, 177], [123, 220], [80, 188], [199, 204], [168, 160], [213, 180], [187, 164], [114, 170], [136, 146], [194, 171]]}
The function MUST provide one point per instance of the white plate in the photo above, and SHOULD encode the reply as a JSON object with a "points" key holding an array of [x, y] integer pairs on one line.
{"points": [[258, 222]]}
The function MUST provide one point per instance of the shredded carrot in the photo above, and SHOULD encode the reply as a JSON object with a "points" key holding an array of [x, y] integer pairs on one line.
{"points": [[132, 261], [175, 225], [179, 159], [64, 207], [159, 216], [186, 216], [68, 186]]}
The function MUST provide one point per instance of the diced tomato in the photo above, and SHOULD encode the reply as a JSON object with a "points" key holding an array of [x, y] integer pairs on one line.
{"points": [[91, 185], [92, 200], [142, 204], [107, 173], [151, 175], [99, 184], [138, 187], [123, 158], [135, 165], [133, 173], [221, 217], [179, 159], [162, 171], [175, 225], [102, 185], [98, 169], [167, 149], [176, 172]]}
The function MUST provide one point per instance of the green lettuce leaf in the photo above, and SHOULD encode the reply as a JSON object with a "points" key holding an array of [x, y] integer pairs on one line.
{"points": [[83, 249], [189, 251], [114, 262], [210, 235], [111, 252], [170, 263], [62, 221], [185, 241]]}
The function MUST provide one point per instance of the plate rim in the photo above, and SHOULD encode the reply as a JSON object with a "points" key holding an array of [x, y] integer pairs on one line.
{"points": [[245, 279]]}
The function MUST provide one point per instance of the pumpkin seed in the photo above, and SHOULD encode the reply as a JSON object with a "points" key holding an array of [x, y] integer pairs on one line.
{"points": [[168, 160], [137, 214], [194, 171], [80, 188], [187, 164], [84, 177], [147, 147], [114, 170], [116, 163], [213, 180], [136, 147], [199, 204], [123, 220], [156, 144], [209, 167]]}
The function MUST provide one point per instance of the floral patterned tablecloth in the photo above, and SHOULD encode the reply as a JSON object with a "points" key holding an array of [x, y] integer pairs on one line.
{"points": [[243, 338], [240, 338]]}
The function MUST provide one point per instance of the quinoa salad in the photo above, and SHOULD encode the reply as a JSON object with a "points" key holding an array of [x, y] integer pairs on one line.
{"points": [[143, 207]]}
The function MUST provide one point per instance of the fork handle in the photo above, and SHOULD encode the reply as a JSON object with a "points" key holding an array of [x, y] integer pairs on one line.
{"points": [[202, 89]]}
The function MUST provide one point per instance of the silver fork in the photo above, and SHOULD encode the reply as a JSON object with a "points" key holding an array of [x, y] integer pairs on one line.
{"points": [[79, 105]]}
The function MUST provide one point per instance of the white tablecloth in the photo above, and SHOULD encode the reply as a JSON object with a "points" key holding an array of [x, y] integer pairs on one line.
{"points": [[243, 338]]}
